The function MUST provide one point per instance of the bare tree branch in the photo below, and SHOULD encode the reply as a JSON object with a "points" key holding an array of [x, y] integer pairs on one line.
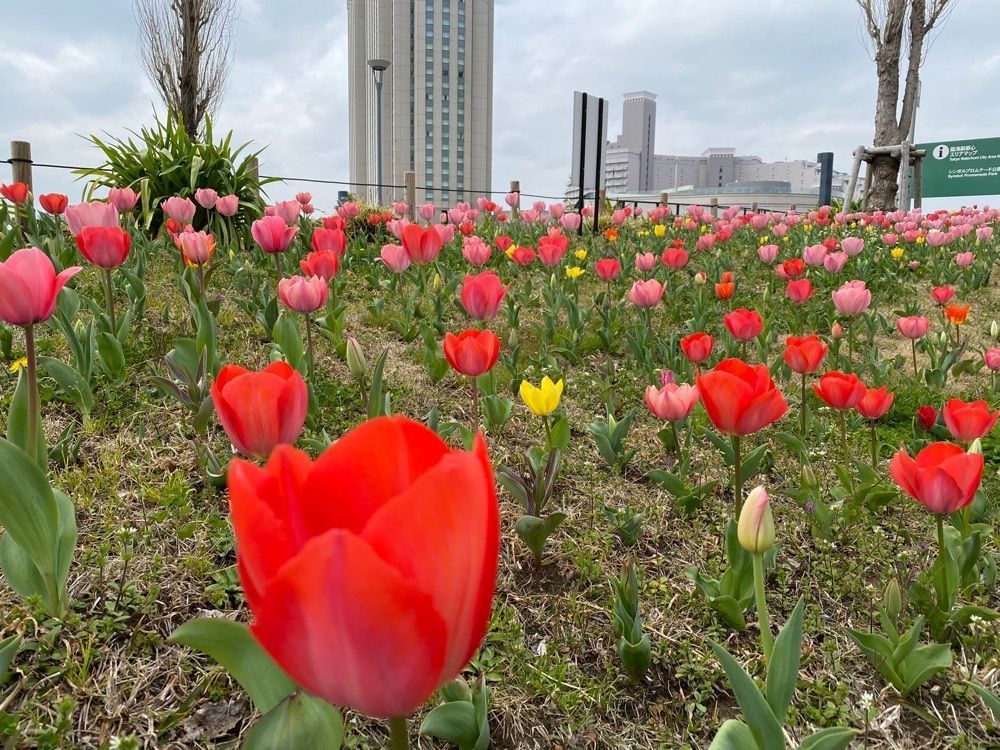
{"points": [[184, 48]]}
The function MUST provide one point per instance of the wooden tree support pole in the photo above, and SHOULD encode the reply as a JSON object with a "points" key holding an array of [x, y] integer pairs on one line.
{"points": [[515, 187], [410, 194], [20, 167]]}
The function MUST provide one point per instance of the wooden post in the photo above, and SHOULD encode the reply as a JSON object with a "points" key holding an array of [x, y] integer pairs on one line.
{"points": [[515, 187], [791, 208], [859, 154], [713, 208], [903, 200], [868, 185], [20, 163], [410, 194], [918, 189], [753, 207], [665, 199]]}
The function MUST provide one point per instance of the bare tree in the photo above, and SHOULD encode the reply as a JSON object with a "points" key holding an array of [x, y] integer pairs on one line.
{"points": [[184, 47], [897, 30]]}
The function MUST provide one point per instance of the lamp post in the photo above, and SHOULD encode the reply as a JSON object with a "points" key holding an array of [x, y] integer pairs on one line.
{"points": [[378, 66]]}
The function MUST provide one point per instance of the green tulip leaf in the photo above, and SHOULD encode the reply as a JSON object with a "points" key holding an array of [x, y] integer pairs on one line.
{"points": [[453, 722], [783, 670], [9, 647], [733, 735], [298, 721], [766, 729], [232, 646], [17, 420], [832, 738]]}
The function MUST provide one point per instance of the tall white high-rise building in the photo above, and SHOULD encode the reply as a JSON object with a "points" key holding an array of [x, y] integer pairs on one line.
{"points": [[437, 95]]}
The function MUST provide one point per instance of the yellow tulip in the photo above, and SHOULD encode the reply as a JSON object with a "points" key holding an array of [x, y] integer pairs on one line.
{"points": [[660, 231], [897, 253], [511, 250], [581, 254], [921, 240], [544, 399], [574, 272]]}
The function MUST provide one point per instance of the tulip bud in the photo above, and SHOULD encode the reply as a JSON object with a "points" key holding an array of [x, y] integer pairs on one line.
{"points": [[700, 278], [994, 329], [437, 284], [667, 377], [552, 282], [837, 332], [767, 294], [976, 448], [893, 600], [943, 338], [809, 480], [755, 530], [356, 359]]}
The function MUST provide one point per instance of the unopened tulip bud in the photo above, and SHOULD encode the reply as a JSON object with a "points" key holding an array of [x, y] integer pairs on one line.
{"points": [[356, 359], [667, 377], [552, 282], [755, 530], [994, 329], [700, 278], [893, 600], [977, 447], [809, 480], [837, 332], [437, 284]]}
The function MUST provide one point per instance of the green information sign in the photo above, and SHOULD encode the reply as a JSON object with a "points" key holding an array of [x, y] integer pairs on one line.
{"points": [[969, 167]]}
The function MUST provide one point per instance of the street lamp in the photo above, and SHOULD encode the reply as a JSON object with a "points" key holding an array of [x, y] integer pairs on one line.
{"points": [[378, 66]]}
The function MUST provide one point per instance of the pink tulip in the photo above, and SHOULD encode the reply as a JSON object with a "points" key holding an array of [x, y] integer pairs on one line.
{"points": [[228, 205], [991, 357], [646, 293], [937, 238], [456, 215], [395, 258], [481, 295], [767, 253], [913, 326], [288, 211], [206, 197], [446, 232], [308, 208], [852, 298], [513, 199], [475, 251], [29, 287], [400, 208], [179, 209], [890, 238], [618, 217], [124, 199], [303, 295], [196, 247], [984, 234], [705, 242], [426, 211], [814, 255], [94, 214], [835, 262], [557, 210], [759, 221], [852, 246], [645, 262], [964, 260], [272, 234], [304, 198], [348, 210], [671, 402], [396, 227], [779, 230]]}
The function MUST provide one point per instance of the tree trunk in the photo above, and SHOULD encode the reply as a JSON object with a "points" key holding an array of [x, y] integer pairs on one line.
{"points": [[188, 83]]}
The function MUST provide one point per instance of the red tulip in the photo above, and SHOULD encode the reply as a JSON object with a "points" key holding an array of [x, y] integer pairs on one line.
{"points": [[744, 324], [804, 354], [675, 258], [378, 599], [422, 244], [482, 294], [53, 203], [968, 420], [840, 390], [792, 268], [551, 249], [105, 247], [799, 290], [335, 222], [725, 290], [926, 417], [697, 347], [875, 403], [607, 269], [942, 294], [16, 192], [472, 352], [740, 399], [259, 410], [502, 241], [330, 240], [29, 287], [322, 263], [523, 256], [943, 477]]}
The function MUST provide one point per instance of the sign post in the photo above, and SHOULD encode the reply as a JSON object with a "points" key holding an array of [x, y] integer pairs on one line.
{"points": [[954, 168]]}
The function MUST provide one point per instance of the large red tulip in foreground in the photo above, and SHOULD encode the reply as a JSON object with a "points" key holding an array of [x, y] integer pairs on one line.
{"points": [[370, 572], [740, 399], [943, 477]]}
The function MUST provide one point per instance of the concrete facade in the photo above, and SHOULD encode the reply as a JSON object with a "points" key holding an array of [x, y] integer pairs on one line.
{"points": [[437, 96]]}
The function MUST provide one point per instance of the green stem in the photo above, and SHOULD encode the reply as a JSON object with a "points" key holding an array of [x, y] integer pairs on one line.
{"points": [[765, 623], [913, 343], [33, 409], [803, 410], [309, 353], [874, 446], [843, 433], [677, 441], [737, 479], [548, 434], [277, 264], [943, 572], [475, 404], [109, 291], [398, 738]]}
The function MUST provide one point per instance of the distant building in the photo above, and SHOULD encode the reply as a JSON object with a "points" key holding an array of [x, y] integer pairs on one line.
{"points": [[632, 166], [437, 95]]}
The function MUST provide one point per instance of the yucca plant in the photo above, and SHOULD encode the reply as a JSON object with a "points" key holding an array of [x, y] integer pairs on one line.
{"points": [[160, 161]]}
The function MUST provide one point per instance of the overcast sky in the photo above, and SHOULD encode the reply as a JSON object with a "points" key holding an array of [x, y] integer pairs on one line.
{"points": [[776, 78]]}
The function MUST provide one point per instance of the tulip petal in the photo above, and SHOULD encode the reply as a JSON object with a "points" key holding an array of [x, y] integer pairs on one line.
{"points": [[367, 640]]}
